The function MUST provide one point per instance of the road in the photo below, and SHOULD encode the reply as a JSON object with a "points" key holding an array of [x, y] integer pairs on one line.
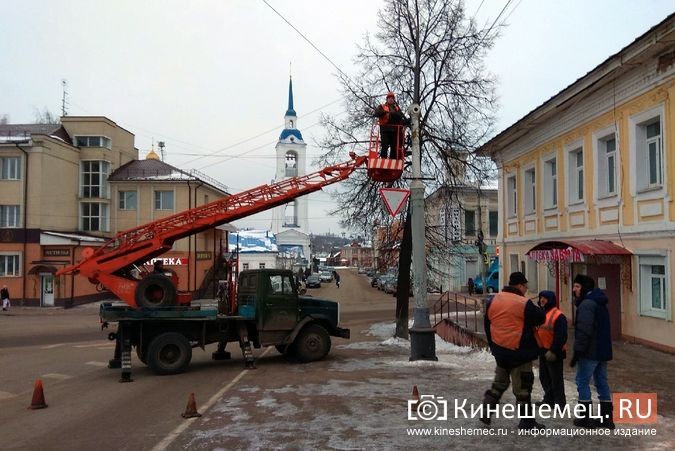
{"points": [[89, 409]]}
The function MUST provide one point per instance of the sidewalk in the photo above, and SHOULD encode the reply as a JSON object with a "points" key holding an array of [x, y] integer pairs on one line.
{"points": [[635, 368]]}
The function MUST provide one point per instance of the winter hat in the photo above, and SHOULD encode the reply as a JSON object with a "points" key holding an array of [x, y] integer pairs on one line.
{"points": [[587, 284], [517, 278], [549, 295]]}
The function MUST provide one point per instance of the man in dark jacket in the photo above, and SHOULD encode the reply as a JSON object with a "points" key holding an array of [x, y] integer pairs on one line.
{"points": [[552, 338], [510, 319], [391, 120], [592, 350]]}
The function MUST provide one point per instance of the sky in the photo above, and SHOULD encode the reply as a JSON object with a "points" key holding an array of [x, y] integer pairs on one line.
{"points": [[210, 78]]}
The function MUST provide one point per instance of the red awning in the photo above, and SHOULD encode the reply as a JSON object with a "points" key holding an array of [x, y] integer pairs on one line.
{"points": [[573, 250]]}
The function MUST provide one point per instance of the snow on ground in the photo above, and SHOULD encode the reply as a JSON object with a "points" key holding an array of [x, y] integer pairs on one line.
{"points": [[359, 400]]}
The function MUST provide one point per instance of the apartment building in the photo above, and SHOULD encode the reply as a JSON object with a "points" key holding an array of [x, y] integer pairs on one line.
{"points": [[586, 182], [56, 198], [455, 215]]}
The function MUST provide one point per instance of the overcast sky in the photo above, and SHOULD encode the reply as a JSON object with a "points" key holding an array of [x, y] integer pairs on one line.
{"points": [[210, 78]]}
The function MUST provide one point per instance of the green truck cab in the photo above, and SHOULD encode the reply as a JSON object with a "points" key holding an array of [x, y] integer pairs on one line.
{"points": [[269, 312]]}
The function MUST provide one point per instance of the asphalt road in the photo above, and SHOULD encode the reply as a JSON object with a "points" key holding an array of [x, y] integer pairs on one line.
{"points": [[89, 409]]}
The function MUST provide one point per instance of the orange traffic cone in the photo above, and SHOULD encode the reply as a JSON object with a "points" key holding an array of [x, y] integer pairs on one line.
{"points": [[38, 401], [415, 398], [191, 409]]}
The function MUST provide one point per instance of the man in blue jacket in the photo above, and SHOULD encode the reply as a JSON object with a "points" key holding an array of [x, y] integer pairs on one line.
{"points": [[592, 350]]}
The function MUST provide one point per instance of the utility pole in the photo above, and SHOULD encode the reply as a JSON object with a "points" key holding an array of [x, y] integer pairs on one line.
{"points": [[422, 335], [482, 247]]}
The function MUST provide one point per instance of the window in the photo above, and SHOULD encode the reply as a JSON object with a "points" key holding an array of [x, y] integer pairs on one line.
{"points": [[94, 182], [291, 214], [576, 176], [93, 141], [551, 183], [244, 266], [649, 154], [261, 265], [163, 200], [469, 222], [530, 191], [494, 223], [512, 194], [652, 285], [128, 200], [291, 167], [532, 275], [94, 217], [10, 168], [9, 216], [9, 265], [607, 166]]}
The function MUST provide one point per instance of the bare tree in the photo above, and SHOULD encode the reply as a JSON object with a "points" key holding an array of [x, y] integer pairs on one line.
{"points": [[44, 117], [428, 52]]}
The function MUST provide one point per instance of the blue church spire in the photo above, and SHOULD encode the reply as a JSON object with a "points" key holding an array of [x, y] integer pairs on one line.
{"points": [[290, 111]]}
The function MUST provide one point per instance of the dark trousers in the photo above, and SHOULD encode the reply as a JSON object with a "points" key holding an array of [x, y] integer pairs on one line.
{"points": [[551, 378], [391, 139]]}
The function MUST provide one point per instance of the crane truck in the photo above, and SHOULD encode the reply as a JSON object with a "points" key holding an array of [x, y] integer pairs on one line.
{"points": [[265, 308]]}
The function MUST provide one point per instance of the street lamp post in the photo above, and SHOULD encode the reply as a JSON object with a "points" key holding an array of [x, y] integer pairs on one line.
{"points": [[422, 335]]}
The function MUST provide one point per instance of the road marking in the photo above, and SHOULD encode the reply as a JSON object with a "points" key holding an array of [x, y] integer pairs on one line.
{"points": [[52, 346], [58, 376], [6, 395], [94, 363], [164, 444], [94, 345]]}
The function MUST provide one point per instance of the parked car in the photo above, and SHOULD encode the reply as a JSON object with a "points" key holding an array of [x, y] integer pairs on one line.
{"points": [[313, 281], [326, 276], [384, 279]]}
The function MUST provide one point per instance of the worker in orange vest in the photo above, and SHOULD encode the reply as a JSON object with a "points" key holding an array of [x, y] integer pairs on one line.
{"points": [[510, 320], [391, 120], [552, 338]]}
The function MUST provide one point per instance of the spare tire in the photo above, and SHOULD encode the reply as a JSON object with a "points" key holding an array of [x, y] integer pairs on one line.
{"points": [[154, 291]]}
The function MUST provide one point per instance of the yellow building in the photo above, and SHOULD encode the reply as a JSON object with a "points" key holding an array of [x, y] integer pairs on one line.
{"points": [[56, 198], [587, 182]]}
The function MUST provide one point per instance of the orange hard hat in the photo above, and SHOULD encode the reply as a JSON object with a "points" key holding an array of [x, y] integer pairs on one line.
{"points": [[391, 94]]}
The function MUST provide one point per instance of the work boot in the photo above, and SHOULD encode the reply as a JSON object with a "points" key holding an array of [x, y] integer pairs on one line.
{"points": [[490, 400], [607, 414], [525, 409], [585, 420]]}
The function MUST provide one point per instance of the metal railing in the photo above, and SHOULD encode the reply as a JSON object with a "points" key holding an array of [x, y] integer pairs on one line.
{"points": [[464, 309]]}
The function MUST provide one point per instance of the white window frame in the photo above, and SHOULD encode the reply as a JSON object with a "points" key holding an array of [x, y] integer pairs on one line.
{"points": [[10, 168], [261, 265], [10, 216], [93, 141], [468, 233], [606, 163], [102, 217], [102, 173], [639, 150], [532, 275], [158, 202], [512, 195], [530, 190], [646, 261], [244, 266], [576, 184], [124, 200], [550, 174], [5, 257]]}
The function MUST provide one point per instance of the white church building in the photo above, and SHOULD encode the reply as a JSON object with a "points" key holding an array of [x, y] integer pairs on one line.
{"points": [[290, 223]]}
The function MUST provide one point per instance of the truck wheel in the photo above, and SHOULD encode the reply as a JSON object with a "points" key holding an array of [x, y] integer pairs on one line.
{"points": [[155, 291], [169, 353], [312, 343]]}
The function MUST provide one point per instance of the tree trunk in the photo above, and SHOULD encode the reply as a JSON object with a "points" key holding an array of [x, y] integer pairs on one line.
{"points": [[403, 291]]}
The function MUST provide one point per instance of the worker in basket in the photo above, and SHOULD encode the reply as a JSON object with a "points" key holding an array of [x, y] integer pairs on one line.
{"points": [[392, 125]]}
